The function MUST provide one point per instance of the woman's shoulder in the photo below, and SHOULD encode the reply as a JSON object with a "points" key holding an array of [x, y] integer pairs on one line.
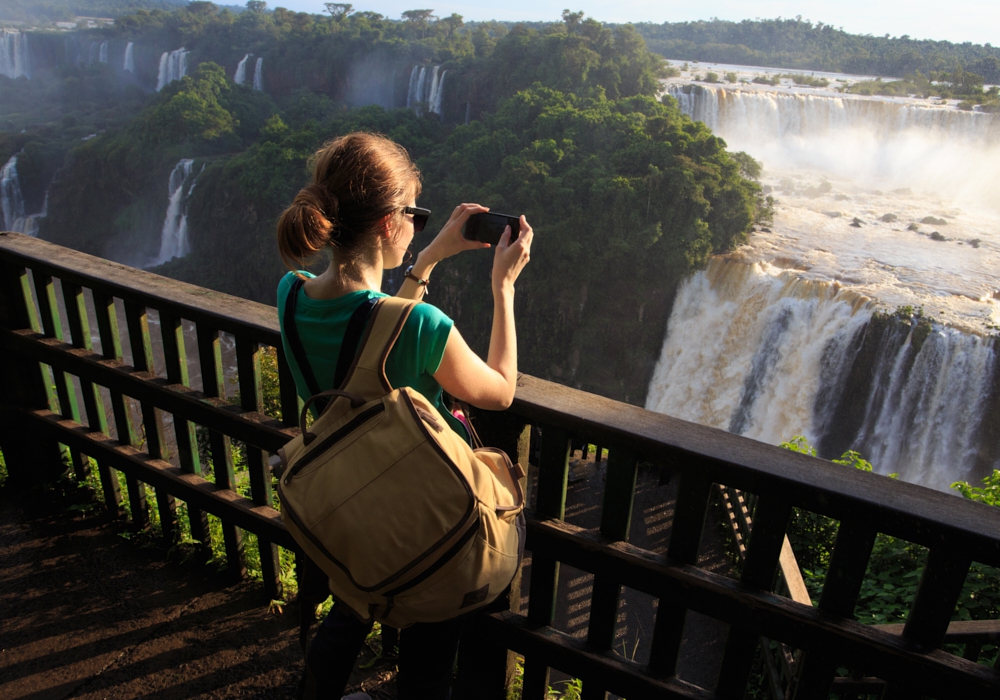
{"points": [[429, 316], [285, 283]]}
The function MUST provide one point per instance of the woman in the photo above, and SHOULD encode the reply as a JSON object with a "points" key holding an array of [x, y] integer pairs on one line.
{"points": [[361, 204]]}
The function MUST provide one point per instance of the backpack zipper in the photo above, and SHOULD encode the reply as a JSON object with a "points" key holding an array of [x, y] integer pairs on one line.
{"points": [[333, 439]]}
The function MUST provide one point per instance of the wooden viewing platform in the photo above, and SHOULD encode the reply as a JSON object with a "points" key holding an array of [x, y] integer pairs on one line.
{"points": [[113, 406]]}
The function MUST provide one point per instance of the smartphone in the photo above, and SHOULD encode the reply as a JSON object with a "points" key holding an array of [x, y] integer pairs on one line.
{"points": [[489, 227]]}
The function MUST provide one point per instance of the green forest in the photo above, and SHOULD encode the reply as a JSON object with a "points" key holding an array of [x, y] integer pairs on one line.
{"points": [[803, 45], [561, 122]]}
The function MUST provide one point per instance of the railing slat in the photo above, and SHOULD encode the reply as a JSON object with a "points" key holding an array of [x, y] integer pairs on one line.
{"points": [[553, 475], [137, 320], [48, 308], [290, 403], [940, 585], [616, 519], [224, 475], [111, 348], [79, 329], [248, 355], [841, 588], [685, 537], [759, 570], [176, 364]]}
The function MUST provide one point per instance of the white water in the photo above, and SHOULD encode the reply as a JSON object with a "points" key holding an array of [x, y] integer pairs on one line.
{"points": [[129, 58], [762, 342], [240, 76], [174, 237], [173, 66], [424, 93], [12, 202], [258, 75], [14, 60], [877, 157], [102, 53], [763, 353]]}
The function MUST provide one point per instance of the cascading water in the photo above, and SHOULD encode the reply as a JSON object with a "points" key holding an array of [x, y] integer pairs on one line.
{"points": [[102, 53], [173, 66], [240, 76], [174, 239], [763, 353], [12, 202], [258, 75], [881, 203], [14, 59], [424, 93], [129, 58], [882, 142]]}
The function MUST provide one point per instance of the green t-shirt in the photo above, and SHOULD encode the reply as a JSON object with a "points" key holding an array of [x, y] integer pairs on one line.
{"points": [[322, 323]]}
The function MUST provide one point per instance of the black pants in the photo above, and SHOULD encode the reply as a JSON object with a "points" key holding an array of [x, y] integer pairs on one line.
{"points": [[426, 657]]}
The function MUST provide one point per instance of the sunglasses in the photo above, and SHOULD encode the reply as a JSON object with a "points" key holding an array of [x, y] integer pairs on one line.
{"points": [[420, 216]]}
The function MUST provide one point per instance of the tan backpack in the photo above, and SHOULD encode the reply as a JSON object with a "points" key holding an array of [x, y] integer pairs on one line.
{"points": [[409, 522]]}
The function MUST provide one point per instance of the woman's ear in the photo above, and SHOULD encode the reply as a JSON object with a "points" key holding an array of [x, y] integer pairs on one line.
{"points": [[385, 224]]}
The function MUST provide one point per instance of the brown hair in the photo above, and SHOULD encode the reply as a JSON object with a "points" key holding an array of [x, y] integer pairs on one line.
{"points": [[358, 180]]}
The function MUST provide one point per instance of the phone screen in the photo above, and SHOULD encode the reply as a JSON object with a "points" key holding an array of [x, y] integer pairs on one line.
{"points": [[489, 227]]}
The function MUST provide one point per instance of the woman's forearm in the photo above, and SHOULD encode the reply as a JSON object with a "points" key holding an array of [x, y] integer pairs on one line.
{"points": [[502, 356]]}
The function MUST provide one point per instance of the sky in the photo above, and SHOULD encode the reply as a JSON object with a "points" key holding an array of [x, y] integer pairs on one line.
{"points": [[960, 21]]}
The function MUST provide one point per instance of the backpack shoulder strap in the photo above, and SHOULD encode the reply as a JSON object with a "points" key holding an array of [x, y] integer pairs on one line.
{"points": [[366, 376], [292, 336]]}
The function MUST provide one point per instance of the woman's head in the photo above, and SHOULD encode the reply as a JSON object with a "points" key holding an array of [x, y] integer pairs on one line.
{"points": [[359, 186]]}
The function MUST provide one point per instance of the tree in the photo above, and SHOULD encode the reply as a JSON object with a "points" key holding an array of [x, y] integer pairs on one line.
{"points": [[452, 23], [258, 7], [339, 10], [572, 20], [419, 19]]}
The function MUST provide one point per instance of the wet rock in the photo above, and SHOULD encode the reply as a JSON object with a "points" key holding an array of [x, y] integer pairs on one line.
{"points": [[933, 221], [842, 198], [767, 189], [889, 218], [913, 227], [856, 223], [834, 214], [936, 236], [903, 190], [974, 242], [765, 230]]}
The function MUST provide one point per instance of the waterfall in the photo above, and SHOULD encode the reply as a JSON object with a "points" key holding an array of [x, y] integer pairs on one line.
{"points": [[240, 76], [12, 202], [130, 58], [102, 53], [10, 197], [766, 354], [173, 66], [424, 93], [14, 62], [174, 240], [880, 142], [437, 93], [258, 76]]}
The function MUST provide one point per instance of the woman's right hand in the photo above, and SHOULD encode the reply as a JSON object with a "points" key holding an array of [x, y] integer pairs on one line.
{"points": [[510, 258]]}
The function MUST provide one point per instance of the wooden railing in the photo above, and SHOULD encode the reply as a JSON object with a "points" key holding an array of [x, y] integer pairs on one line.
{"points": [[48, 343]]}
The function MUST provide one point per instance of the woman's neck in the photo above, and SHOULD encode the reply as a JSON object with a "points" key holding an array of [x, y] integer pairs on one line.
{"points": [[335, 282]]}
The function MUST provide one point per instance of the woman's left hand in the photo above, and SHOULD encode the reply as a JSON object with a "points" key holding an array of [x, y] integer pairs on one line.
{"points": [[450, 241]]}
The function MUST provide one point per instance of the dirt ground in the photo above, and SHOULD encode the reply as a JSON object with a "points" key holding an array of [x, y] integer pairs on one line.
{"points": [[85, 613]]}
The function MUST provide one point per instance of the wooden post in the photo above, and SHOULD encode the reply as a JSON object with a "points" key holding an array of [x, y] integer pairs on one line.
{"points": [[29, 462]]}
